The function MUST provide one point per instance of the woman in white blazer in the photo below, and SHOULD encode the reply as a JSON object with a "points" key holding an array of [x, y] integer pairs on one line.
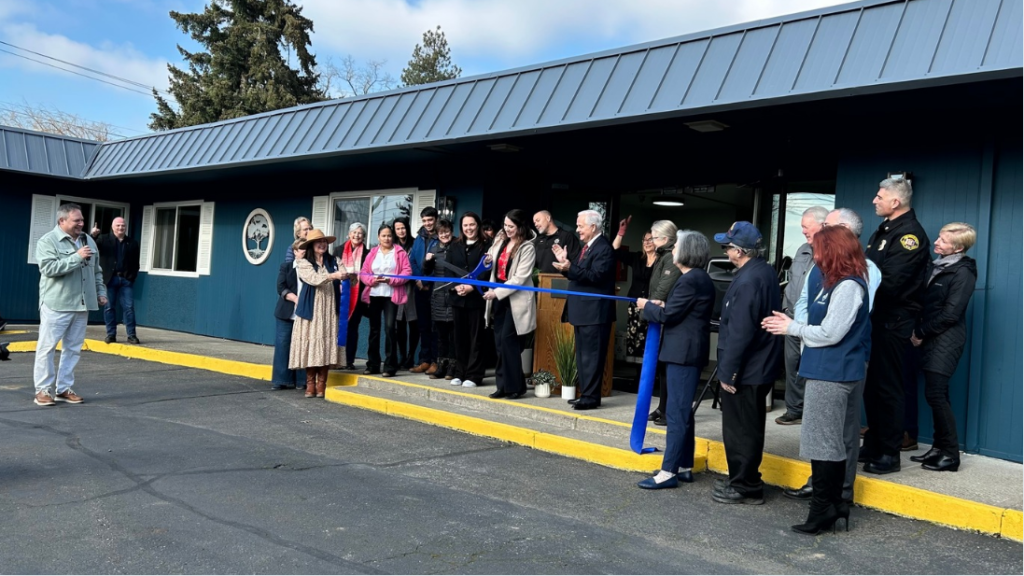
{"points": [[512, 313]]}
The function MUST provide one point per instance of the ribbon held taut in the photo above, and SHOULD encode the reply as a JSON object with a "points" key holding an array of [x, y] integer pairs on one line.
{"points": [[650, 361]]}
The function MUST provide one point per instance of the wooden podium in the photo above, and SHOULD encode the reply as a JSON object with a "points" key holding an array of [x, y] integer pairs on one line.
{"points": [[549, 319]]}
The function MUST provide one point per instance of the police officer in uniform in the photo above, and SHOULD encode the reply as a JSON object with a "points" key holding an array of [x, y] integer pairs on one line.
{"points": [[900, 250]]}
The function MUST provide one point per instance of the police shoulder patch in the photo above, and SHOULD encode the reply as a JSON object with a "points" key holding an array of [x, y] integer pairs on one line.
{"points": [[910, 242]]}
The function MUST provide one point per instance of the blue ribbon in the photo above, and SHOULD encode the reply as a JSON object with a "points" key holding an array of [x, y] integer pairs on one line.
{"points": [[343, 313], [485, 284], [643, 394]]}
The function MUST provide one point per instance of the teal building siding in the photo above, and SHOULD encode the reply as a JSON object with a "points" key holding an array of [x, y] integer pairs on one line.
{"points": [[969, 177]]}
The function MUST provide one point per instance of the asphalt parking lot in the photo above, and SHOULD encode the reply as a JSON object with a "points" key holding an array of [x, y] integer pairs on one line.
{"points": [[173, 470]]}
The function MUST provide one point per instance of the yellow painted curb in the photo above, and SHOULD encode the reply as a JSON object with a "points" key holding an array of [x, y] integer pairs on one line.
{"points": [[925, 505], [578, 449], [1011, 526], [233, 367], [22, 346], [435, 390], [12, 332]]}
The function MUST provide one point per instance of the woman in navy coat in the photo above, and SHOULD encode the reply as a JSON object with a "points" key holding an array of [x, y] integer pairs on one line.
{"points": [[685, 317]]}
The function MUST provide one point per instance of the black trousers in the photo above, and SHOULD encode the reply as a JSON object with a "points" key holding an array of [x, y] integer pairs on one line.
{"points": [[382, 306], [445, 332], [591, 354], [936, 392], [469, 344], [352, 334], [428, 346], [509, 373], [743, 416], [883, 391], [408, 338], [911, 361]]}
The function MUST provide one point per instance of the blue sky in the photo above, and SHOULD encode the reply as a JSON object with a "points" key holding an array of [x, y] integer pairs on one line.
{"points": [[135, 39]]}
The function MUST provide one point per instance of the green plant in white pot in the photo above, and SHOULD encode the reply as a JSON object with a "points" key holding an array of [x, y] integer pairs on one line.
{"points": [[542, 383], [563, 348]]}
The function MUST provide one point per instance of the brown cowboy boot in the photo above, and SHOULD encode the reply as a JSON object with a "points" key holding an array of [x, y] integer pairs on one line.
{"points": [[310, 382], [321, 381]]}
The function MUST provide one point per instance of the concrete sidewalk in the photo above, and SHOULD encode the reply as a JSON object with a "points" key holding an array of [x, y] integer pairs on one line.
{"points": [[986, 495]]}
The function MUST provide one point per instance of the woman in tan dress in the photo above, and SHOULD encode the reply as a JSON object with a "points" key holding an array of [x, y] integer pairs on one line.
{"points": [[315, 333]]}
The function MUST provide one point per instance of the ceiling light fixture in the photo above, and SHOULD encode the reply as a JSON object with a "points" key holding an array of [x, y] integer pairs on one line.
{"points": [[504, 147], [707, 126], [671, 203]]}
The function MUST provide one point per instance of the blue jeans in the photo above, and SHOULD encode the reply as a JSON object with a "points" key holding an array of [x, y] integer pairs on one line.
{"points": [[119, 290], [281, 376]]}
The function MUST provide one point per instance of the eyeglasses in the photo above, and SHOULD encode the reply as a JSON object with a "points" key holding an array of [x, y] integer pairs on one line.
{"points": [[649, 239]]}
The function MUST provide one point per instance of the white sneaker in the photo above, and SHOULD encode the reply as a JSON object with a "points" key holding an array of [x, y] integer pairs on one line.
{"points": [[455, 382], [468, 384]]}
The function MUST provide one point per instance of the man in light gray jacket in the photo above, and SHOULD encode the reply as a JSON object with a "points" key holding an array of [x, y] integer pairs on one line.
{"points": [[70, 285], [803, 261]]}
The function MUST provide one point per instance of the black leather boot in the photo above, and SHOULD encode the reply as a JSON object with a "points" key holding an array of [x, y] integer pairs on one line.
{"points": [[823, 513]]}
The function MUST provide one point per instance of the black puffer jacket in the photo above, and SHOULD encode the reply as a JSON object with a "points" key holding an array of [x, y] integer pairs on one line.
{"points": [[440, 300], [941, 325]]}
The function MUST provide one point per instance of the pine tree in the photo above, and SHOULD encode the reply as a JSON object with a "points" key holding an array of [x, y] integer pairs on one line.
{"points": [[242, 71], [430, 62]]}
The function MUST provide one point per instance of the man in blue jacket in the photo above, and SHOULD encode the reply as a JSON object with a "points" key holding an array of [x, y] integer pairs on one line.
{"points": [[428, 347], [749, 360]]}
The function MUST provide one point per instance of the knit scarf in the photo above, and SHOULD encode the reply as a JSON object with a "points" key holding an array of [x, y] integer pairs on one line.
{"points": [[353, 261], [943, 262]]}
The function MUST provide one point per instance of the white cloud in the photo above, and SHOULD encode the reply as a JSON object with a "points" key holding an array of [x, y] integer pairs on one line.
{"points": [[488, 35], [109, 57]]}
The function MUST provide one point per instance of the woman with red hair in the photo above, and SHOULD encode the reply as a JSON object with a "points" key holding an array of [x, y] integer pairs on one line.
{"points": [[836, 343]]}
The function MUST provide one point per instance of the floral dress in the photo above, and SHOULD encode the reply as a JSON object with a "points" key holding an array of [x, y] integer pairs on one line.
{"points": [[315, 342]]}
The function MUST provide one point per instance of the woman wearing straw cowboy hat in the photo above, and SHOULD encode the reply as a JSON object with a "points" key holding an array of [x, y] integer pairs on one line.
{"points": [[315, 333]]}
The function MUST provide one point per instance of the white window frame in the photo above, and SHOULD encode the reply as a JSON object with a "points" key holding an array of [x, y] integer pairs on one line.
{"points": [[62, 199], [323, 208], [148, 240], [44, 216]]}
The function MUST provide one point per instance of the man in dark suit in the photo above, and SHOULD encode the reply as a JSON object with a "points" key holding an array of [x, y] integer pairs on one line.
{"points": [[119, 259], [749, 360], [594, 272]]}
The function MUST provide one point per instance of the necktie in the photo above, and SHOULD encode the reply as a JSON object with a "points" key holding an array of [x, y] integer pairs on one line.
{"points": [[583, 252]]}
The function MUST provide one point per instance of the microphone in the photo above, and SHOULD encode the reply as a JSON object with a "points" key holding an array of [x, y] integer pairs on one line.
{"points": [[82, 240]]}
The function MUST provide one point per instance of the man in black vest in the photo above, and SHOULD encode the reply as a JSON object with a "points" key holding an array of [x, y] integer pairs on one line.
{"points": [[749, 360], [119, 259], [594, 272], [900, 249]]}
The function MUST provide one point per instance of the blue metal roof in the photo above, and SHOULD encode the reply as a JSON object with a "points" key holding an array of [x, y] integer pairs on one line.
{"points": [[868, 46], [47, 154]]}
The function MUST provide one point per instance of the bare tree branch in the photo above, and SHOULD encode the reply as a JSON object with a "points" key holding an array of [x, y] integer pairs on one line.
{"points": [[53, 121], [349, 79]]}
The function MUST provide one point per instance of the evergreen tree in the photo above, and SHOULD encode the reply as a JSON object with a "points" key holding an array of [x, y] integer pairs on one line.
{"points": [[430, 62], [242, 71]]}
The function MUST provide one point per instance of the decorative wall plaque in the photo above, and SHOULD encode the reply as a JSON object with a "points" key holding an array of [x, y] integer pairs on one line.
{"points": [[257, 236]]}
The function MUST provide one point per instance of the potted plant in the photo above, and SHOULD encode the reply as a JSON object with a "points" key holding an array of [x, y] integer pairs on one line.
{"points": [[542, 382], [563, 348]]}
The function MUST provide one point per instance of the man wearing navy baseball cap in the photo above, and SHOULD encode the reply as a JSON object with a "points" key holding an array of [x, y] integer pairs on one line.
{"points": [[749, 359]]}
